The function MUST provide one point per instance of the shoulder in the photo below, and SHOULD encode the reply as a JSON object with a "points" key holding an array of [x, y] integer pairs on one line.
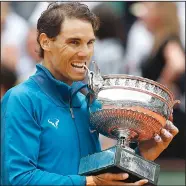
{"points": [[23, 92], [173, 48], [21, 99], [173, 45]]}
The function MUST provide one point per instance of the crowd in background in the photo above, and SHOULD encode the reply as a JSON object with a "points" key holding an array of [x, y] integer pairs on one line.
{"points": [[137, 38]]}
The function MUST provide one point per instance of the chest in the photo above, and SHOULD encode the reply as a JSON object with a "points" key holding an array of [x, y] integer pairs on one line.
{"points": [[58, 124], [61, 132]]}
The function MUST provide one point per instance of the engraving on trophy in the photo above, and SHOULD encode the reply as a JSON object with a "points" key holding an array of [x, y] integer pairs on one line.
{"points": [[137, 165]]}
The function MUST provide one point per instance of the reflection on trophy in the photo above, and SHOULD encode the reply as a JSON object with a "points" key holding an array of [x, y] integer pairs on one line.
{"points": [[133, 109]]}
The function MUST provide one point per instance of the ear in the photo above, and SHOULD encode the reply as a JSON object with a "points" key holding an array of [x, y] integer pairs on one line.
{"points": [[45, 42]]}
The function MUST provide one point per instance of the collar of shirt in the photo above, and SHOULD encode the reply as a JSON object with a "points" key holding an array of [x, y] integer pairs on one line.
{"points": [[61, 93]]}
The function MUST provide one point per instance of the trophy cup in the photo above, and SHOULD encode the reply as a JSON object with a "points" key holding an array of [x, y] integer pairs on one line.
{"points": [[133, 109]]}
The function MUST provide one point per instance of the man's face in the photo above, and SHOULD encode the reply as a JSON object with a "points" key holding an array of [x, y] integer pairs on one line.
{"points": [[72, 49]]}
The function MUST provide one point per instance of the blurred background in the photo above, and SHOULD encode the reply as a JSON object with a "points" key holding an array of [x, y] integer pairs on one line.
{"points": [[139, 38]]}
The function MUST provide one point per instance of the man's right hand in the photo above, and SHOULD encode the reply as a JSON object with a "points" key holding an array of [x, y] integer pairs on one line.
{"points": [[112, 179]]}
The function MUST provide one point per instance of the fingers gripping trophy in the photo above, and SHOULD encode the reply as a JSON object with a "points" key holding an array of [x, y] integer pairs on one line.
{"points": [[133, 109]]}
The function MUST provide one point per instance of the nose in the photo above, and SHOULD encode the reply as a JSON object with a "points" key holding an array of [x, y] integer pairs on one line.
{"points": [[84, 52]]}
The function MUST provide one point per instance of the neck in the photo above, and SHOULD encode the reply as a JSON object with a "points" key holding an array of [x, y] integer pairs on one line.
{"points": [[57, 75]]}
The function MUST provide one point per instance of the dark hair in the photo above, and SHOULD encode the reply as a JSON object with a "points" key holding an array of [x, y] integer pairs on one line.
{"points": [[110, 22], [51, 19], [8, 77]]}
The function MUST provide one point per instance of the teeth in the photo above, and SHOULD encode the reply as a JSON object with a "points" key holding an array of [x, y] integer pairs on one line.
{"points": [[78, 64]]}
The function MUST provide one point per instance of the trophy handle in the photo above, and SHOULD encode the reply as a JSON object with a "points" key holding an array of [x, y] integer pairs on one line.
{"points": [[96, 69], [95, 80], [90, 77], [172, 106], [90, 80], [175, 102]]}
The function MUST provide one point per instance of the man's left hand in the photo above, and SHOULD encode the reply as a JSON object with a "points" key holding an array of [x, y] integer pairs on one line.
{"points": [[151, 149]]}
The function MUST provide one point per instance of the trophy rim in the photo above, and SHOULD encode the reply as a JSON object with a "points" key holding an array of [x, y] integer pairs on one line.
{"points": [[122, 76], [168, 103]]}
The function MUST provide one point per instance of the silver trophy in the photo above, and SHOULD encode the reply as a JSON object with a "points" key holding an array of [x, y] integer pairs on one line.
{"points": [[132, 109]]}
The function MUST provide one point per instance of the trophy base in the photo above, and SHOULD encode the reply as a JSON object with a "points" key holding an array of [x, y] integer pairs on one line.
{"points": [[118, 160]]}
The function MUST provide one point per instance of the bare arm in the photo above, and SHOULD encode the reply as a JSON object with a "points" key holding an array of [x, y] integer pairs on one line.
{"points": [[174, 64]]}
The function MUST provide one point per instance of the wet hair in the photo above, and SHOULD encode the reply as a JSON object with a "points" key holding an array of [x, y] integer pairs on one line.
{"points": [[51, 20]]}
